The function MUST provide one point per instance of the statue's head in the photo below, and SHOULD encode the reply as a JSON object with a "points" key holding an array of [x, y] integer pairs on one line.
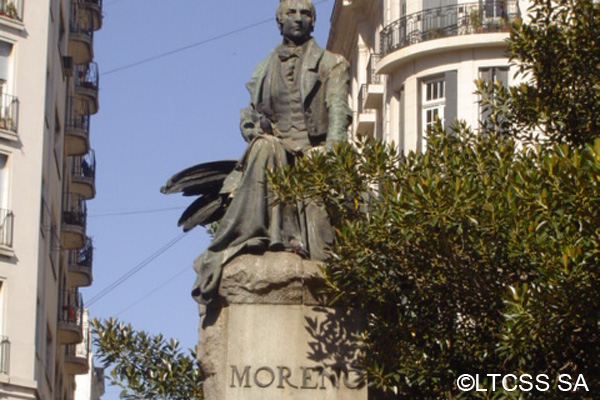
{"points": [[296, 19]]}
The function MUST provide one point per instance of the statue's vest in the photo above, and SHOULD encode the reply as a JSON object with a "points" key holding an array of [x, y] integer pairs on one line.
{"points": [[288, 109]]}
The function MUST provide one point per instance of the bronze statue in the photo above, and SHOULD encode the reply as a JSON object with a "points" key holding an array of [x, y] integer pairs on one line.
{"points": [[298, 104]]}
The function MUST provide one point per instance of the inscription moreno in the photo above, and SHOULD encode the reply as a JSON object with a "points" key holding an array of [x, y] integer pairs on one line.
{"points": [[282, 377]]}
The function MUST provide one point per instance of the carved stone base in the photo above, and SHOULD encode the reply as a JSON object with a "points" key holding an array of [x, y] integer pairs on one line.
{"points": [[270, 337]]}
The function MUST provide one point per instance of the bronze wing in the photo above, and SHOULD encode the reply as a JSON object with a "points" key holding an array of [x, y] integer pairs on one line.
{"points": [[204, 180]]}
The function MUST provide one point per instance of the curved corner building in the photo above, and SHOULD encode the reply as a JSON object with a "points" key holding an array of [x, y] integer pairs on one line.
{"points": [[415, 61]]}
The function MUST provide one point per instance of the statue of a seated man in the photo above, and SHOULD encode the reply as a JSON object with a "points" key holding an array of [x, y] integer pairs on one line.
{"points": [[298, 103]]}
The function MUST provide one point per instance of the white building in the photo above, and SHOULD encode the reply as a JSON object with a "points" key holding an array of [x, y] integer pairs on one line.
{"points": [[48, 90], [91, 385], [416, 60]]}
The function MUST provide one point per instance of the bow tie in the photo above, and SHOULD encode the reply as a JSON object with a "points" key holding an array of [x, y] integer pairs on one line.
{"points": [[285, 53]]}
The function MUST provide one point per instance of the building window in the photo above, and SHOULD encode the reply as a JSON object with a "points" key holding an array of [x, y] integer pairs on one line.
{"points": [[433, 103], [58, 151], [492, 75], [4, 342], [3, 181], [6, 215], [8, 103], [49, 359]]}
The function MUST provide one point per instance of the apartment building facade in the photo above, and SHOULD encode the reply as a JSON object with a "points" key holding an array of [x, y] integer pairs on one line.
{"points": [[415, 61], [48, 91]]}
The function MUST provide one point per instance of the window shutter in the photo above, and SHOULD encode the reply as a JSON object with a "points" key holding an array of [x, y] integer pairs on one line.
{"points": [[451, 108], [502, 76], [5, 50]]}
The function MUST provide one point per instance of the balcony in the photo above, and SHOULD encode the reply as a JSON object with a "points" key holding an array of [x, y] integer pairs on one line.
{"points": [[93, 8], [449, 21], [74, 218], [9, 112], [11, 9], [6, 229], [81, 36], [373, 98], [70, 317], [4, 356], [366, 117], [77, 357], [80, 265], [83, 175], [86, 79], [77, 130]]}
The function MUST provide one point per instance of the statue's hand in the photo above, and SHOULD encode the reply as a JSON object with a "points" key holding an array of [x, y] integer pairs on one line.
{"points": [[266, 125], [266, 118]]}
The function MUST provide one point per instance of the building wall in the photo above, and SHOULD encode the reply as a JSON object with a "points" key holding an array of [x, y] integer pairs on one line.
{"points": [[416, 42], [34, 270]]}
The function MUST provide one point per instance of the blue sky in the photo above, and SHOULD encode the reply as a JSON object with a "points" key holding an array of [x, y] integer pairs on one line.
{"points": [[155, 119]]}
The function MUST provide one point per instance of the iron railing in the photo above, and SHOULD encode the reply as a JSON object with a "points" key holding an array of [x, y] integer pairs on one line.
{"points": [[9, 112], [12, 9], [458, 19], [79, 350], [94, 8], [362, 99], [97, 3], [6, 227], [76, 121], [83, 257], [4, 355], [372, 77], [78, 25], [74, 210], [87, 76], [71, 308], [85, 166]]}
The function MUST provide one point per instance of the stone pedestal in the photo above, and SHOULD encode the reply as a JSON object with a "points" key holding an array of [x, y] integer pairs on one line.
{"points": [[270, 337]]}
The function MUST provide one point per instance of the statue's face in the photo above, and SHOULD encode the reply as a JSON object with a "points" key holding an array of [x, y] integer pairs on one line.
{"points": [[296, 20]]}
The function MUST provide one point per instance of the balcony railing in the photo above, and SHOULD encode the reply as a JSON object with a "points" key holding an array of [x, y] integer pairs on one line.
{"points": [[76, 121], [86, 76], [9, 112], [84, 257], [372, 77], [77, 355], [12, 9], [77, 127], [454, 20], [94, 7], [85, 166], [97, 3], [362, 99], [75, 211], [80, 24], [71, 309], [79, 350], [4, 355], [6, 227]]}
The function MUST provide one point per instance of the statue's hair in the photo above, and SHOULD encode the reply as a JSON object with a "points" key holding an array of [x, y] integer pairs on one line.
{"points": [[279, 16]]}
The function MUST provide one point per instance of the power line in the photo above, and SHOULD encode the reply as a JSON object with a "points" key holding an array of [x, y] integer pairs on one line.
{"points": [[189, 46], [152, 211], [135, 269], [180, 49], [150, 293]]}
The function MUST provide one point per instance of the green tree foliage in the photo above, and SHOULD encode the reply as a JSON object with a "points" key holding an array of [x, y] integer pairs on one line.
{"points": [[481, 255], [557, 51], [470, 258], [146, 367]]}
